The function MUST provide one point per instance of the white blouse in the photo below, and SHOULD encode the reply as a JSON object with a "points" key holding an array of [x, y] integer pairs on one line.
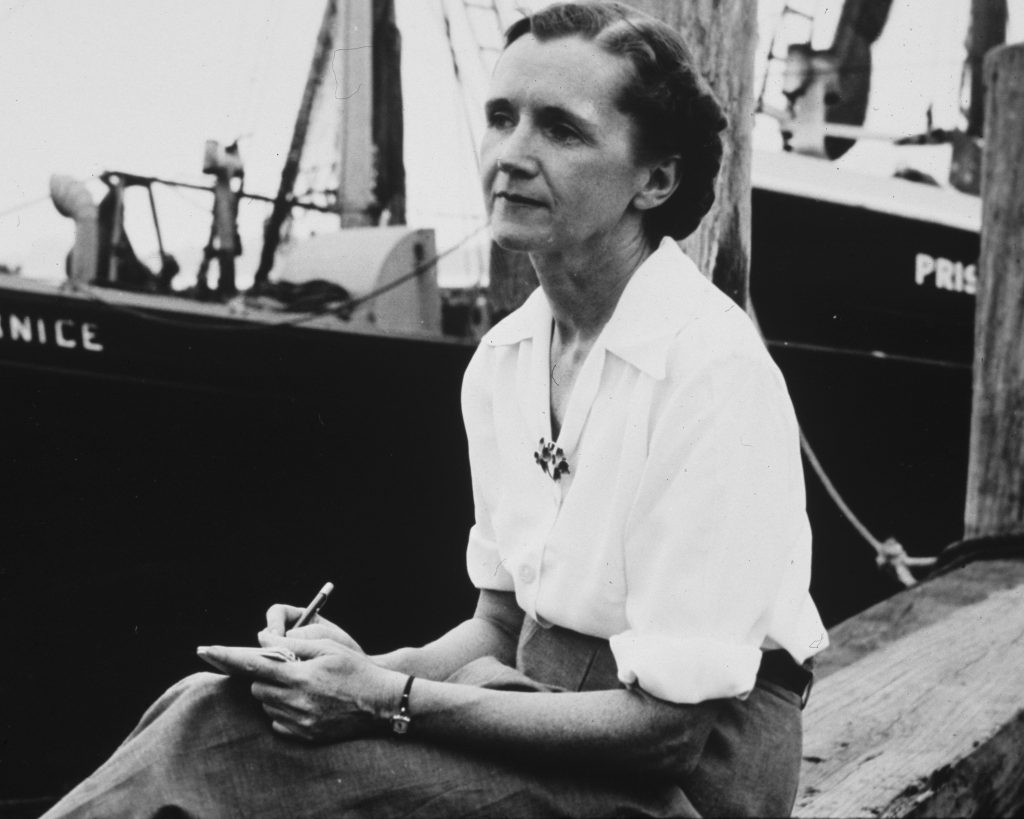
{"points": [[679, 531]]}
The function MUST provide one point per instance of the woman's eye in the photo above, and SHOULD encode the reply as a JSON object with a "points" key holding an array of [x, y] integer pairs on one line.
{"points": [[498, 119], [563, 133]]}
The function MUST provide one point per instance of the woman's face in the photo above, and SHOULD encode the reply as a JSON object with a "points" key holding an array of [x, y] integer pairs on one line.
{"points": [[557, 158]]}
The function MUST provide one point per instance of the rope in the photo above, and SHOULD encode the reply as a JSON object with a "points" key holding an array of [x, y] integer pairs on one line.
{"points": [[341, 310], [889, 553], [14, 209]]}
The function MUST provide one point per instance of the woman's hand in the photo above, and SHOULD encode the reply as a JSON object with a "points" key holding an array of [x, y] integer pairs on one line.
{"points": [[332, 694], [280, 616]]}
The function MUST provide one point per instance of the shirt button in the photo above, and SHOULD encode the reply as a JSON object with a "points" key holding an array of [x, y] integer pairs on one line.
{"points": [[527, 574]]}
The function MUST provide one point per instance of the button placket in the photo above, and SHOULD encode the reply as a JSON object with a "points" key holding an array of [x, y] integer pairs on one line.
{"points": [[530, 573]]}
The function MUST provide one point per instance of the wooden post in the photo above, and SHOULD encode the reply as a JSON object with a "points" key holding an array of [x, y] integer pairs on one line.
{"points": [[721, 34], [512, 279], [995, 480]]}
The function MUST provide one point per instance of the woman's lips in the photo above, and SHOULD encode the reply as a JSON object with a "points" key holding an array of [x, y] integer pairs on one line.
{"points": [[518, 199]]}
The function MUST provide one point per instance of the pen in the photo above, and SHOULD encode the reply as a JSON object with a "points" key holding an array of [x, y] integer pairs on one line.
{"points": [[314, 606]]}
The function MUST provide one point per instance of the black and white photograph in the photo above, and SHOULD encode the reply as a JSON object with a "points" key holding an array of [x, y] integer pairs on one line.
{"points": [[511, 408]]}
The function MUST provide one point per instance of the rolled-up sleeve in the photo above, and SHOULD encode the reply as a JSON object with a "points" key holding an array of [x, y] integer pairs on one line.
{"points": [[718, 518], [483, 562]]}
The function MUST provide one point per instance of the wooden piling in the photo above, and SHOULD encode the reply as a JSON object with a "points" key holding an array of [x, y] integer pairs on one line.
{"points": [[987, 31], [995, 482], [722, 35]]}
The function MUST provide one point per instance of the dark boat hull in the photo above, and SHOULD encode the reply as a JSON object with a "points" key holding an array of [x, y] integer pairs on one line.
{"points": [[162, 491], [869, 312]]}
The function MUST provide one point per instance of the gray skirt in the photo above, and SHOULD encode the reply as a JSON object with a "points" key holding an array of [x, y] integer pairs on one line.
{"points": [[205, 749]]}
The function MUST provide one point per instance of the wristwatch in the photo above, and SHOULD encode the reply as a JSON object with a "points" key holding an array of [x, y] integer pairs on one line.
{"points": [[400, 722]]}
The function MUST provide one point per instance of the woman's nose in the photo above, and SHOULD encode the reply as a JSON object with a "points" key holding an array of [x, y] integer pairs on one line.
{"points": [[515, 155], [517, 165]]}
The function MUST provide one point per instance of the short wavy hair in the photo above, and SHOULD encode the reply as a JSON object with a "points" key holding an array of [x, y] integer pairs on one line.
{"points": [[671, 104]]}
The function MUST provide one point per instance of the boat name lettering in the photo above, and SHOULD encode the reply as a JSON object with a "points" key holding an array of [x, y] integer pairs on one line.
{"points": [[945, 274], [65, 333]]}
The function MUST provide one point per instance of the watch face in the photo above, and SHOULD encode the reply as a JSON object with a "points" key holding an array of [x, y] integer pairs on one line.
{"points": [[400, 723]]}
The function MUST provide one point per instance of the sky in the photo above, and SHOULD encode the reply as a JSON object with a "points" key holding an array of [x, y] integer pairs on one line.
{"points": [[140, 85]]}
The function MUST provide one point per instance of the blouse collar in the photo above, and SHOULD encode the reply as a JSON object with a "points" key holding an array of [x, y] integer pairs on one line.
{"points": [[665, 294]]}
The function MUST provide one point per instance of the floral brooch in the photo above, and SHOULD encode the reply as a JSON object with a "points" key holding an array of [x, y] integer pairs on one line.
{"points": [[551, 459]]}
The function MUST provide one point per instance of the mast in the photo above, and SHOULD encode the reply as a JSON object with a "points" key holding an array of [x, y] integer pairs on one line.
{"points": [[986, 30], [317, 69], [359, 46], [368, 107], [352, 102], [388, 123]]}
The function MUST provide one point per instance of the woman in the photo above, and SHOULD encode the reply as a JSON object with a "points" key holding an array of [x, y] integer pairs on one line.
{"points": [[640, 546]]}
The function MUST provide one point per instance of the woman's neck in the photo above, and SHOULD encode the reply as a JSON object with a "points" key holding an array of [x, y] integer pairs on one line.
{"points": [[583, 289]]}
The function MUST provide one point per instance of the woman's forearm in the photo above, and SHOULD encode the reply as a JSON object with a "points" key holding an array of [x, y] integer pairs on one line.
{"points": [[492, 631], [616, 731], [437, 660]]}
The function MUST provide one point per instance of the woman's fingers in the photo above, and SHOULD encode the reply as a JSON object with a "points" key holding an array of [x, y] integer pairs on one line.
{"points": [[280, 616], [321, 629], [297, 717], [278, 708], [302, 649], [245, 661], [286, 730]]}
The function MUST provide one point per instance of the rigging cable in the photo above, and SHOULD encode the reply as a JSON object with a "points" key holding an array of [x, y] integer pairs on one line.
{"points": [[889, 552], [876, 354], [179, 192], [414, 273], [27, 204], [460, 82]]}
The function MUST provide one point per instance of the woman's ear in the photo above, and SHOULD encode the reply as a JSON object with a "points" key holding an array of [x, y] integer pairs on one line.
{"points": [[662, 181]]}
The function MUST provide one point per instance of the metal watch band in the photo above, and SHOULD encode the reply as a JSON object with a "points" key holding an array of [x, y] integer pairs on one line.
{"points": [[400, 722]]}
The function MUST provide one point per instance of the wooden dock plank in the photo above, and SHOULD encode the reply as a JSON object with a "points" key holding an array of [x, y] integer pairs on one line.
{"points": [[915, 608], [918, 721]]}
